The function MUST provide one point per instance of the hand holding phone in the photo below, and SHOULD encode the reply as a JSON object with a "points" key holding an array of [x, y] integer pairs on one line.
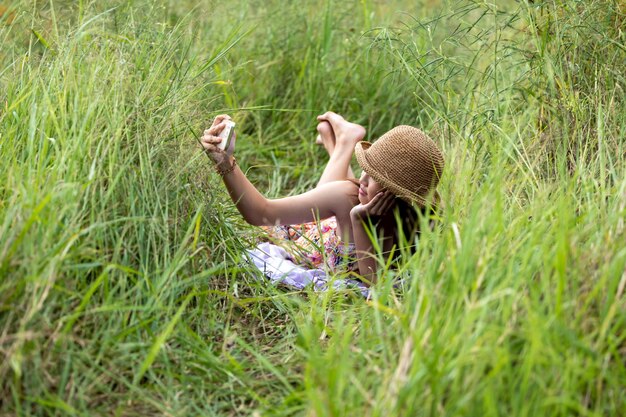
{"points": [[227, 135]]}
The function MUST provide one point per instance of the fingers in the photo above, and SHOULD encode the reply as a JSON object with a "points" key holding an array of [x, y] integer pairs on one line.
{"points": [[219, 119], [381, 203], [210, 146], [388, 203], [215, 129], [209, 141]]}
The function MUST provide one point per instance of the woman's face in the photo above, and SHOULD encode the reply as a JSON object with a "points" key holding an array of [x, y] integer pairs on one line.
{"points": [[368, 188]]}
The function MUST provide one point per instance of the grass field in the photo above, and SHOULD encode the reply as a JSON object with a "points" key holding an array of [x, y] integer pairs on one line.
{"points": [[123, 291]]}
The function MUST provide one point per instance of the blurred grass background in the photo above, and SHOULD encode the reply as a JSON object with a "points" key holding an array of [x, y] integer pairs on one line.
{"points": [[122, 286]]}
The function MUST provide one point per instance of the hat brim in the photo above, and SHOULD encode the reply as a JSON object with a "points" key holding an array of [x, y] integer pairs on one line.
{"points": [[360, 150]]}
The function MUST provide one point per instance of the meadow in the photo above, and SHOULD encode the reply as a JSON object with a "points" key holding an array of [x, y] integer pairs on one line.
{"points": [[123, 285]]}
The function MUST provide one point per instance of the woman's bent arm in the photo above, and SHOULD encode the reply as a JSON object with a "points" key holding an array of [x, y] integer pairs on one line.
{"points": [[335, 198], [366, 261], [374, 210]]}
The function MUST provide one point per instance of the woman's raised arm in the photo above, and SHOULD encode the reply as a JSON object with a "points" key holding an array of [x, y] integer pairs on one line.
{"points": [[331, 199], [334, 198]]}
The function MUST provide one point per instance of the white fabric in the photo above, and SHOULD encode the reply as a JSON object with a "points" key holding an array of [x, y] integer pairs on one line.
{"points": [[273, 261]]}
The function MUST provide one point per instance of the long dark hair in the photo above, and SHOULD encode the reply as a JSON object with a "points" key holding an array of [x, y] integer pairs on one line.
{"points": [[409, 221]]}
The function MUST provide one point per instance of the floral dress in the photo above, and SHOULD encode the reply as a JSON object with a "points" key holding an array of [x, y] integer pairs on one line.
{"points": [[315, 245]]}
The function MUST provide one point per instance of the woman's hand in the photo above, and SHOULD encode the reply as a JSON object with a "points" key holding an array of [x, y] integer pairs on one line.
{"points": [[376, 207], [210, 140]]}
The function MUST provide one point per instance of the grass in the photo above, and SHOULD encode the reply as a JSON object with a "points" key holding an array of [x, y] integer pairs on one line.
{"points": [[122, 285]]}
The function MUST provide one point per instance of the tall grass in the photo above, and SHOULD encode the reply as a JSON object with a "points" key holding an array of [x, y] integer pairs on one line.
{"points": [[123, 288]]}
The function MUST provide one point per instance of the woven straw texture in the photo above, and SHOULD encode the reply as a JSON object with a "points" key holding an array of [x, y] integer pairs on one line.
{"points": [[405, 161]]}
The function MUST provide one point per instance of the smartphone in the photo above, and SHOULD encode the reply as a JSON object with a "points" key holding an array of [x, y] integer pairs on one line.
{"points": [[226, 134]]}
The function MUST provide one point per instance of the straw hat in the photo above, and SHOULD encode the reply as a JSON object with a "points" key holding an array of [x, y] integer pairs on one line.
{"points": [[405, 161]]}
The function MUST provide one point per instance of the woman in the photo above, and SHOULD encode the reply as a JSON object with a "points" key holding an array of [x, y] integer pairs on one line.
{"points": [[400, 170]]}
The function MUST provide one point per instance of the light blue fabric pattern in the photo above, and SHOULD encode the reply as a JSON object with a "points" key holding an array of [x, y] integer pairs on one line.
{"points": [[274, 263]]}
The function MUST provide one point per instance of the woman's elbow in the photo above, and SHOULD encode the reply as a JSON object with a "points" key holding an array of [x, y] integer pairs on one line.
{"points": [[257, 217], [254, 220]]}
